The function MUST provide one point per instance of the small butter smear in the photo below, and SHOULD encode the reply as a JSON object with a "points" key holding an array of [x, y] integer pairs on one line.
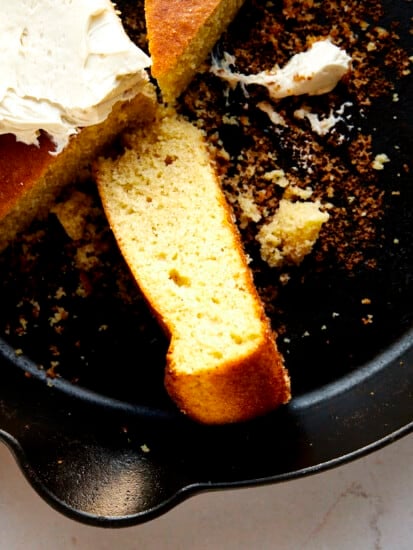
{"points": [[63, 66], [314, 72], [323, 125]]}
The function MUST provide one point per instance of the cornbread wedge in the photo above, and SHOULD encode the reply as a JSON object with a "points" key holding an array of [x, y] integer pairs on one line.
{"points": [[175, 230], [181, 33]]}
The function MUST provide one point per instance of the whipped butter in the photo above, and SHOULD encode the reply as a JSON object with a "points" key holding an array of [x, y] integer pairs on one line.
{"points": [[64, 64], [314, 72], [322, 125]]}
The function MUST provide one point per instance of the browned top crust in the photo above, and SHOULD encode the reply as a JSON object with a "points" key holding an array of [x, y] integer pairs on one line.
{"points": [[31, 178], [21, 166]]}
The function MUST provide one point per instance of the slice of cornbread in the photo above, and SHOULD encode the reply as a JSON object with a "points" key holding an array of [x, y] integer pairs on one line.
{"points": [[175, 230]]}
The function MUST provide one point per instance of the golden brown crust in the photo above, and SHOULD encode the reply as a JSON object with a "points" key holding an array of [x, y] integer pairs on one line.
{"points": [[223, 365], [234, 392], [181, 33], [171, 26]]}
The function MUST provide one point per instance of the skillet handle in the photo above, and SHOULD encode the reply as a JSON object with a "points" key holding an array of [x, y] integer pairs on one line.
{"points": [[84, 461]]}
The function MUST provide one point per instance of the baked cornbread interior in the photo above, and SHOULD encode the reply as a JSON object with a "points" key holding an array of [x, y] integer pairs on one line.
{"points": [[31, 178], [175, 231], [181, 33]]}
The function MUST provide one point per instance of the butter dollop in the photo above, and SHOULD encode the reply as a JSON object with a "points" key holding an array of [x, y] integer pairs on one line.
{"points": [[314, 72], [64, 64]]}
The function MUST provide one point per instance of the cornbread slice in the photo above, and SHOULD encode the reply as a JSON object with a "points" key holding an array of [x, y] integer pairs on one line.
{"points": [[174, 228], [181, 33], [31, 178]]}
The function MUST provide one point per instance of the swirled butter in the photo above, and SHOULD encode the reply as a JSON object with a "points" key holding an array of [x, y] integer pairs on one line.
{"points": [[314, 72], [63, 65]]}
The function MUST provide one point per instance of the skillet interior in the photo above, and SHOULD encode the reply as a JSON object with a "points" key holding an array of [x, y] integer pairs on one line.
{"points": [[95, 352]]}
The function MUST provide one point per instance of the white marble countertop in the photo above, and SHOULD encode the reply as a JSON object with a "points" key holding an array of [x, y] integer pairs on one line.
{"points": [[367, 504]]}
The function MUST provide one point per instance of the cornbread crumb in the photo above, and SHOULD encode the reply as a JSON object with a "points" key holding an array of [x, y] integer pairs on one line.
{"points": [[379, 161], [73, 212], [291, 233]]}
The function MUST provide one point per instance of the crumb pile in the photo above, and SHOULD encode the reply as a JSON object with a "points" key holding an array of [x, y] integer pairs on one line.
{"points": [[317, 149]]}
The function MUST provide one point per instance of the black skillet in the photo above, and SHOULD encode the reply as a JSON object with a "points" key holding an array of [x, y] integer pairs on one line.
{"points": [[101, 441]]}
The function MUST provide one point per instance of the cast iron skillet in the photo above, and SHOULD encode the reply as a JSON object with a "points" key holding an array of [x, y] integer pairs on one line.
{"points": [[111, 450]]}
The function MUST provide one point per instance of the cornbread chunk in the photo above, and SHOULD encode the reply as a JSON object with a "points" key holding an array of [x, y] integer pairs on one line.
{"points": [[291, 234], [175, 230], [31, 178], [181, 33]]}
